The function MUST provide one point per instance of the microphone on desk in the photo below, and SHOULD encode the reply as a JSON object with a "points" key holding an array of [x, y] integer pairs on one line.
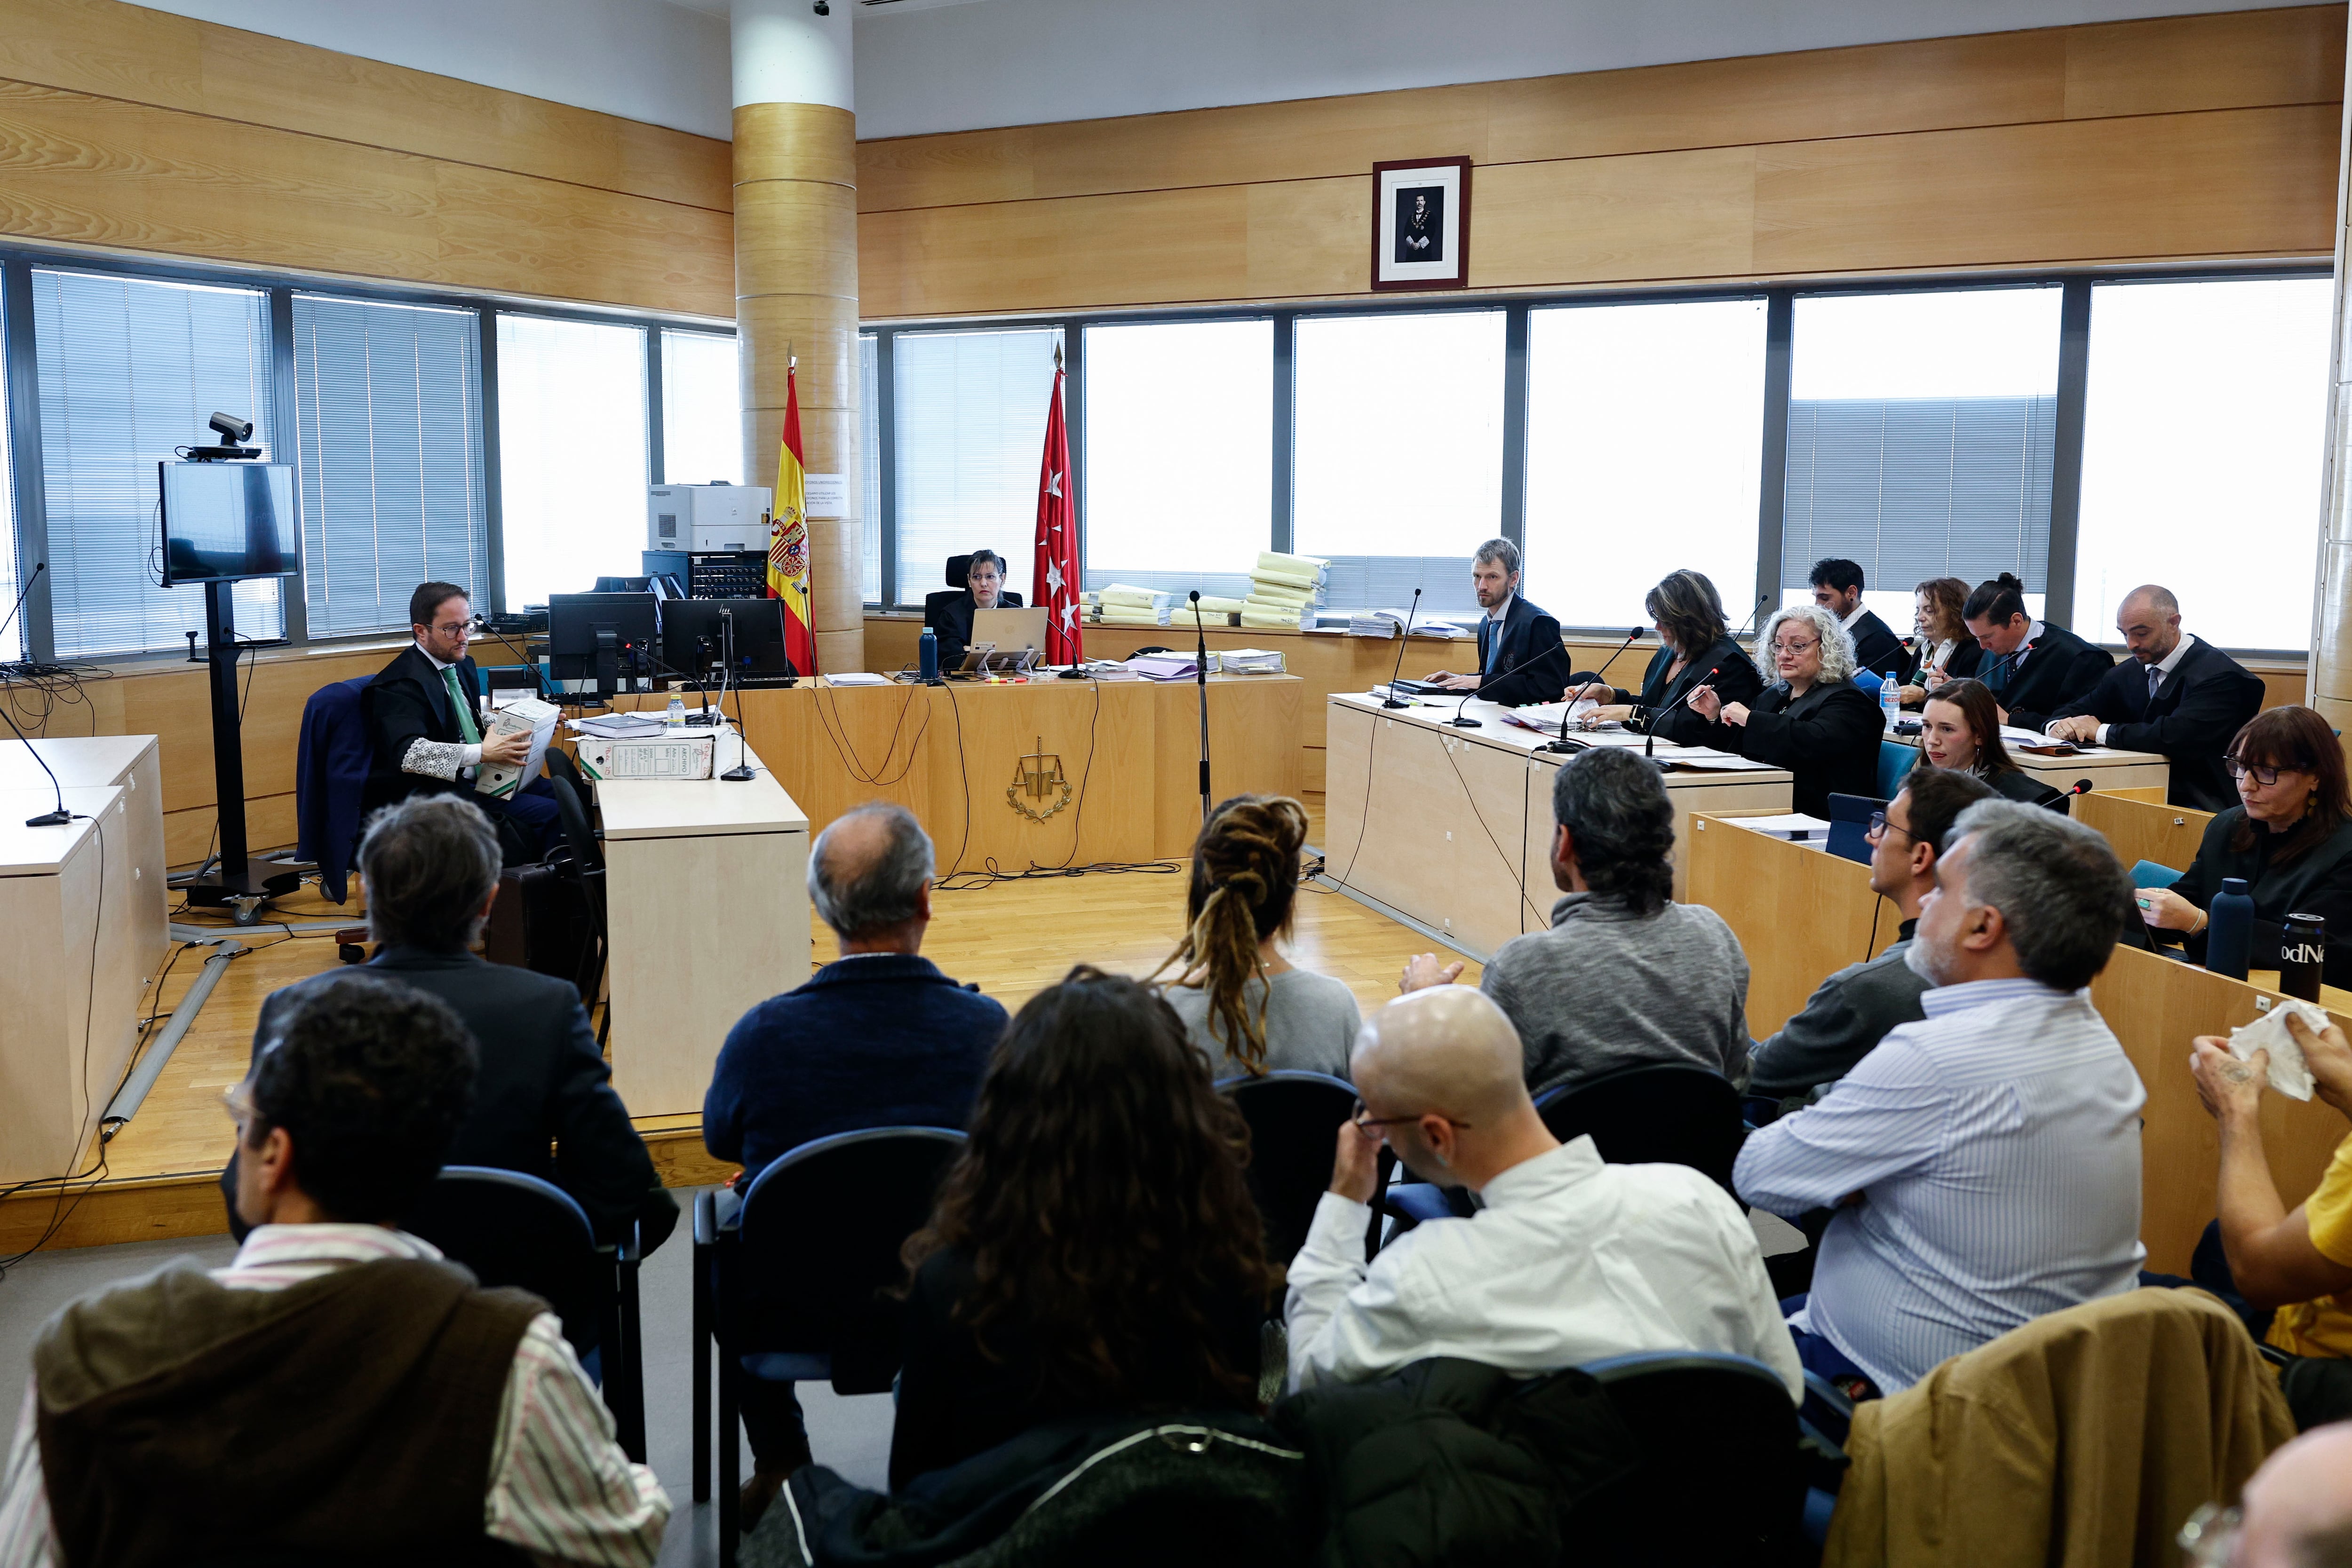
{"points": [[1406, 636], [1564, 743], [1750, 624], [1650, 739], [33, 577], [60, 817]]}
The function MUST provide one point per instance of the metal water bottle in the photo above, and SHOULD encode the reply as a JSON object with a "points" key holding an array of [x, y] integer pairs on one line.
{"points": [[2229, 929], [2302, 955], [929, 655]]}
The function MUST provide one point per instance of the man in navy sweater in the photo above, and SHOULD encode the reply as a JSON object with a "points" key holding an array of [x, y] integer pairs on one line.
{"points": [[879, 1038]]}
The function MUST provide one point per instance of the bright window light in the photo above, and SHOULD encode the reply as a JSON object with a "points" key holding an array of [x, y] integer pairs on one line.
{"points": [[571, 454], [1180, 451]]}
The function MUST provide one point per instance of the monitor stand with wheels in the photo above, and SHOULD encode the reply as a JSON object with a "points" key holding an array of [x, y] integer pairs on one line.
{"points": [[235, 882]]}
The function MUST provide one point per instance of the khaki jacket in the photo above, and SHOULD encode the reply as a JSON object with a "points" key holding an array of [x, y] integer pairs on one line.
{"points": [[2083, 1439]]}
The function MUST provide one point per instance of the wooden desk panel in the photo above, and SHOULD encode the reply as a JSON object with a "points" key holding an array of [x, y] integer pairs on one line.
{"points": [[1801, 914], [1128, 749], [2144, 829]]}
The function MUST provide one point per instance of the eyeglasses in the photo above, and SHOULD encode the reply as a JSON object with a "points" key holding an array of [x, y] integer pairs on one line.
{"points": [[1780, 647], [453, 628], [2210, 1535], [1879, 826], [1365, 1125], [2265, 776]]}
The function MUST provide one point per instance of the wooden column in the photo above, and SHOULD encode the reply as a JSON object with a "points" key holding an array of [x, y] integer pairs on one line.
{"points": [[796, 295]]}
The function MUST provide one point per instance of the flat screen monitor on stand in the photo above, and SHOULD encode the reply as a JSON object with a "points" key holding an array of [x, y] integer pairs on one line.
{"points": [[694, 641], [226, 519], [606, 638]]}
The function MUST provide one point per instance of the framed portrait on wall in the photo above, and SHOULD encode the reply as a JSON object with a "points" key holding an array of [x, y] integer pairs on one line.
{"points": [[1420, 223]]}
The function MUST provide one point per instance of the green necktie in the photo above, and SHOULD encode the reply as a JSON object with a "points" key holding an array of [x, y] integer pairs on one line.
{"points": [[466, 725]]}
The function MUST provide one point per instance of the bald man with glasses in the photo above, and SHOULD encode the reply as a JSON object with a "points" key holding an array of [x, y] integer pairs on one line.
{"points": [[1568, 1259]]}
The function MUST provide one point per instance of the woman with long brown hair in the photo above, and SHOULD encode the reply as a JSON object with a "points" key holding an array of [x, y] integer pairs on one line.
{"points": [[1093, 1251], [2289, 836], [1243, 1003], [1960, 730], [1941, 648]]}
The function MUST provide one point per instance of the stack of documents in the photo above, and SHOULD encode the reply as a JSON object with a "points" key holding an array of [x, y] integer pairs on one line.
{"points": [[1165, 667], [612, 726], [1284, 591], [1247, 662], [1122, 605]]}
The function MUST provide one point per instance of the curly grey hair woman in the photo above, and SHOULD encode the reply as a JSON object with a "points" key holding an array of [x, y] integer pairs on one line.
{"points": [[1811, 720]]}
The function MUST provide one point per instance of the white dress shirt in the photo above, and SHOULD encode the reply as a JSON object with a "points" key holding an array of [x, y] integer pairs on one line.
{"points": [[1995, 1147], [2163, 668], [560, 1486], [1571, 1260]]}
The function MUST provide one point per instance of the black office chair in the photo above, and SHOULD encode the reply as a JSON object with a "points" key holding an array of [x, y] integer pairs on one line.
{"points": [[791, 1284], [1697, 1415], [515, 1229], [1292, 1117], [1849, 834], [1665, 1113], [559, 764], [959, 581]]}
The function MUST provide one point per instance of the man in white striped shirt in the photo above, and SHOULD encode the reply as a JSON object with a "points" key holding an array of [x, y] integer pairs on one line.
{"points": [[375, 1403], [1985, 1163]]}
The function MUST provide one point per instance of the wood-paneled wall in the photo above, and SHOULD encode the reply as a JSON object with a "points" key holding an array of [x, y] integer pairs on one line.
{"points": [[2205, 136], [132, 128]]}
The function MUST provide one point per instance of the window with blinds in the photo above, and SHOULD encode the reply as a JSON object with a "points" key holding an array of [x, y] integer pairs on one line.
{"points": [[388, 423], [1922, 428], [971, 420], [1397, 474], [130, 368], [571, 454], [869, 393], [702, 408]]}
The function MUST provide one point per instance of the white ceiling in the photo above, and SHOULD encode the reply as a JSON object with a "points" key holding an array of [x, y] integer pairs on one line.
{"points": [[950, 65]]}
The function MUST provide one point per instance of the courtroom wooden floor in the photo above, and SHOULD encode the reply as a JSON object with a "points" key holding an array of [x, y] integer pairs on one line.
{"points": [[1013, 939]]}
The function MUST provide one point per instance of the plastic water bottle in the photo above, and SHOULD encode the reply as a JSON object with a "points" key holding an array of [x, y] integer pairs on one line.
{"points": [[2229, 929], [676, 711], [1890, 700], [929, 655]]}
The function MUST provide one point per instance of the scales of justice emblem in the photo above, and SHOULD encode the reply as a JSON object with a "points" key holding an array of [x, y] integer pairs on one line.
{"points": [[1035, 779]]}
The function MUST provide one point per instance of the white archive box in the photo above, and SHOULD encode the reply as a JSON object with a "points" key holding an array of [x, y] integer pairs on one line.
{"points": [[674, 754], [514, 719]]}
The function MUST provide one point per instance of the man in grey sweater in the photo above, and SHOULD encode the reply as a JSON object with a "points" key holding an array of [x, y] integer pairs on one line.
{"points": [[1625, 976], [1853, 1009]]}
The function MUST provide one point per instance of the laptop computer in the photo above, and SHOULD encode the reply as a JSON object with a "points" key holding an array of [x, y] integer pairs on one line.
{"points": [[1010, 630]]}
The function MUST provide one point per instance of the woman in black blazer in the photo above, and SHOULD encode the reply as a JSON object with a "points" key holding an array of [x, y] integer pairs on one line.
{"points": [[1941, 649], [2289, 836], [1961, 730], [1693, 646], [1814, 721]]}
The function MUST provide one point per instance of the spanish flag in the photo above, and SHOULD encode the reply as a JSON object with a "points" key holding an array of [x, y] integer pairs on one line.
{"points": [[788, 552]]}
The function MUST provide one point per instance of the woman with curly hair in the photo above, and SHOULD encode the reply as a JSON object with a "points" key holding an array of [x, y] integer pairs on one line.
{"points": [[1093, 1250], [1246, 1007], [1811, 720]]}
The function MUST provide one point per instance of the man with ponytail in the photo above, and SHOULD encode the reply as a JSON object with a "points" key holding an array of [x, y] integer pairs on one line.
{"points": [[1625, 976], [1244, 1006]]}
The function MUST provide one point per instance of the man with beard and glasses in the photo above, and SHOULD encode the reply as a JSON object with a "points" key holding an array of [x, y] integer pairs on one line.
{"points": [[1985, 1162]]}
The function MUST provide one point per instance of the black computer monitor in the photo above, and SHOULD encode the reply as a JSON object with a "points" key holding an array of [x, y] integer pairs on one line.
{"points": [[577, 648], [691, 636], [227, 522]]}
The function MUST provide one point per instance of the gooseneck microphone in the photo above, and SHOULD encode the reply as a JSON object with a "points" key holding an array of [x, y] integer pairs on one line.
{"points": [[1750, 624], [1394, 700], [1650, 740], [60, 817], [1537, 657]]}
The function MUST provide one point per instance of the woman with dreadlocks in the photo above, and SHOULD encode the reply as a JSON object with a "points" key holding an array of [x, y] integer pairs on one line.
{"points": [[1244, 1006]]}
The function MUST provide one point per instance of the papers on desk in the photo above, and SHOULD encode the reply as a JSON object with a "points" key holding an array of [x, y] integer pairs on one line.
{"points": [[857, 678], [1708, 758], [2033, 739], [1789, 825], [1547, 716], [613, 726], [1245, 661], [1165, 667]]}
